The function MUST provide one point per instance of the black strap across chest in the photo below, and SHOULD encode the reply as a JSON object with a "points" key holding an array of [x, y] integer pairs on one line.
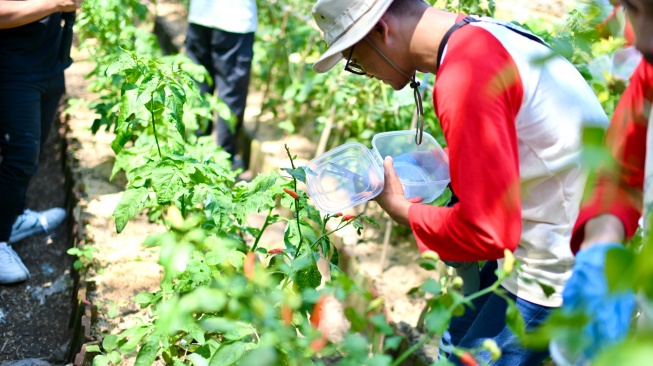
{"points": [[468, 20]]}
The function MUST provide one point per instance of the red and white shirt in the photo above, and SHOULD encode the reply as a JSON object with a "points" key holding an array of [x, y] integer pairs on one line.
{"points": [[512, 115], [620, 189]]}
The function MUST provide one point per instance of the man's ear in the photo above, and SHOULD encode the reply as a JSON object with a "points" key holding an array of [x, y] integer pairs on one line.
{"points": [[381, 29]]}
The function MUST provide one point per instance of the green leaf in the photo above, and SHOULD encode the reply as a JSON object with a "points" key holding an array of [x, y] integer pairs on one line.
{"points": [[147, 354], [229, 329], [620, 269], [299, 173], [228, 354], [306, 274], [132, 200], [355, 319], [514, 320], [144, 299], [100, 360], [356, 345], [175, 107], [380, 360], [335, 257], [198, 360], [167, 182], [120, 65], [110, 342], [380, 323], [637, 351], [236, 259], [437, 319], [93, 348], [135, 338], [114, 357], [431, 286], [548, 290], [196, 331], [392, 343], [147, 87]]}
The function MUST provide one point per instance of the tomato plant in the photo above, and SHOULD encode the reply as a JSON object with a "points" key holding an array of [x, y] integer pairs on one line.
{"points": [[223, 300]]}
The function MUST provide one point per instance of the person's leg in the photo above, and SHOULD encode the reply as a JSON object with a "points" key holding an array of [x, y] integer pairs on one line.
{"points": [[20, 140], [459, 325], [232, 59], [490, 323], [198, 49], [50, 103]]}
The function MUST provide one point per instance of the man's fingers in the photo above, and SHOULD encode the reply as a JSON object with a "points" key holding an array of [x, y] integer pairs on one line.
{"points": [[389, 170], [415, 199]]}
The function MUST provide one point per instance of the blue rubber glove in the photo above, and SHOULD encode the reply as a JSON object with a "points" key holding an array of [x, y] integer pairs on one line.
{"points": [[587, 291]]}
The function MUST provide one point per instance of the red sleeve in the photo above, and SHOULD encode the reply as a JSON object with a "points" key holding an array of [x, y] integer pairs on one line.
{"points": [[618, 189], [477, 95]]}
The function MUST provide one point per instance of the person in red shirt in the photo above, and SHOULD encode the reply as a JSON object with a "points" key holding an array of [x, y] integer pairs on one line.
{"points": [[611, 214], [512, 114], [616, 24]]}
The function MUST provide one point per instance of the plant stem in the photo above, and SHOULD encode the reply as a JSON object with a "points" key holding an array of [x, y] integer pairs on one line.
{"points": [[265, 225], [412, 349], [297, 207], [428, 336], [156, 139]]}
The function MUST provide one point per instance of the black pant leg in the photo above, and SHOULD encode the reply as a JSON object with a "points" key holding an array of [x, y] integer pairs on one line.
{"points": [[232, 59]]}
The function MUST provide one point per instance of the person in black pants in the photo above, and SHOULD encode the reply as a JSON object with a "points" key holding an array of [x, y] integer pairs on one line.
{"points": [[221, 38], [34, 51]]}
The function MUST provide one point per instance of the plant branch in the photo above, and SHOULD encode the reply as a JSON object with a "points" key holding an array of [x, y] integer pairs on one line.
{"points": [[297, 207], [156, 139], [265, 225]]}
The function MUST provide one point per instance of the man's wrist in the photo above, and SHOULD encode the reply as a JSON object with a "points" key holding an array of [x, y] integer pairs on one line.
{"points": [[606, 228], [399, 212]]}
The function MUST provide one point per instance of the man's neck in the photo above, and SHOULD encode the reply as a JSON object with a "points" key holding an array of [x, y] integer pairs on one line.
{"points": [[430, 30]]}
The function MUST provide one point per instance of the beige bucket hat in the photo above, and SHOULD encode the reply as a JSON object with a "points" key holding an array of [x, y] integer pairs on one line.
{"points": [[344, 23]]}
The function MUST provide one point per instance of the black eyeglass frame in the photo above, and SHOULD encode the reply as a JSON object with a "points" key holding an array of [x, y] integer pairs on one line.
{"points": [[353, 67]]}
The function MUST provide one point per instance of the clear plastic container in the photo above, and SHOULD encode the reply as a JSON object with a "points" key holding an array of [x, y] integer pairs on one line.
{"points": [[352, 174]]}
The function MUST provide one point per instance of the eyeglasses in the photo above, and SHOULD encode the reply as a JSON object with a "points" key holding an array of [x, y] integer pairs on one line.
{"points": [[353, 67]]}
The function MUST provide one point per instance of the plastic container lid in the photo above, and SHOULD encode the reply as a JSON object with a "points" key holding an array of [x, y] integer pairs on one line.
{"points": [[343, 178], [352, 174]]}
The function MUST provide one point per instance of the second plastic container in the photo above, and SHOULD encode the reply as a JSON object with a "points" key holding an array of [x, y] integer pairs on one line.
{"points": [[352, 174]]}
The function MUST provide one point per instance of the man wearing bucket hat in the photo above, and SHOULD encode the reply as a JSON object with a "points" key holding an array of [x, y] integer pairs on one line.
{"points": [[512, 113]]}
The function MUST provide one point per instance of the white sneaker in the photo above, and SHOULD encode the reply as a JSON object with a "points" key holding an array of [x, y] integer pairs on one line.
{"points": [[31, 222], [12, 269]]}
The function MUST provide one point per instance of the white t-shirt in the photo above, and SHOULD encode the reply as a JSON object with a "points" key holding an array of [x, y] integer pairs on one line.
{"points": [[236, 16]]}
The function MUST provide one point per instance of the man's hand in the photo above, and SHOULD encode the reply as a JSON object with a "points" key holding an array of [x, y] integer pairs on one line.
{"points": [[392, 199], [66, 6], [16, 13], [609, 312]]}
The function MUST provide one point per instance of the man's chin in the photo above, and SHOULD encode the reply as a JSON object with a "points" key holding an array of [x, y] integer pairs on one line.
{"points": [[397, 87], [648, 58]]}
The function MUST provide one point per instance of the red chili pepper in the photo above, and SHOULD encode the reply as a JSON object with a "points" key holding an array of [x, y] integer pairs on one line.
{"points": [[286, 314], [291, 193], [468, 360], [348, 217], [275, 251], [248, 265], [316, 314], [338, 214], [318, 344]]}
